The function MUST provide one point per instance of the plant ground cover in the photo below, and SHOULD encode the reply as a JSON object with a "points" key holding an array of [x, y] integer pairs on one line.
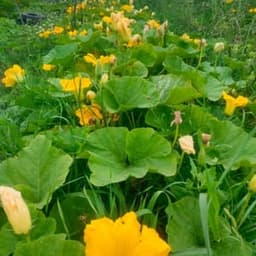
{"points": [[124, 133]]}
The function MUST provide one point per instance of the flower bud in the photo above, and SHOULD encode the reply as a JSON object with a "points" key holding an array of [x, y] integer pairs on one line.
{"points": [[187, 144], [219, 47], [15, 209], [252, 184], [90, 95], [177, 118], [206, 138]]}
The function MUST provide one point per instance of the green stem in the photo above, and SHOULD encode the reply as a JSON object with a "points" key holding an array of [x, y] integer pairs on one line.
{"points": [[242, 211], [180, 162], [176, 135]]}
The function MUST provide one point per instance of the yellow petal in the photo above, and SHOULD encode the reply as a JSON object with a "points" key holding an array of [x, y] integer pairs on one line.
{"points": [[90, 58], [151, 244], [187, 144], [16, 210], [123, 237], [242, 101]]}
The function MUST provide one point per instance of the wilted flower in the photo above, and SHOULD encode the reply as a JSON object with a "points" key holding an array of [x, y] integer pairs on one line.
{"points": [[15, 209], [177, 118], [89, 114], [252, 184], [125, 236], [134, 41], [13, 75], [219, 47], [121, 24], [187, 144], [232, 103], [206, 138]]}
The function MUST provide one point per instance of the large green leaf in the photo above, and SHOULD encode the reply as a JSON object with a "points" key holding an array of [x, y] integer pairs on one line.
{"points": [[53, 245], [68, 214], [175, 89], [232, 246], [42, 226], [116, 154], [8, 240], [61, 54], [230, 145], [146, 53], [184, 227], [38, 170], [131, 68], [125, 93]]}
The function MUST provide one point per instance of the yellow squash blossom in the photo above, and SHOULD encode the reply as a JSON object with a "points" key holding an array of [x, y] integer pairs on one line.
{"points": [[153, 24], [72, 33], [90, 58], [48, 67], [98, 26], [186, 37], [13, 75], [58, 30], [89, 114], [125, 236], [107, 19], [16, 210], [83, 32], [127, 7], [76, 84], [252, 10], [102, 60], [232, 103], [45, 34]]}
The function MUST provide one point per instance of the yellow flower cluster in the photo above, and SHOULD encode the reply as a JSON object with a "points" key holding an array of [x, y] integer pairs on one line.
{"points": [[229, 1], [252, 10], [232, 103], [13, 75], [125, 236], [57, 30]]}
